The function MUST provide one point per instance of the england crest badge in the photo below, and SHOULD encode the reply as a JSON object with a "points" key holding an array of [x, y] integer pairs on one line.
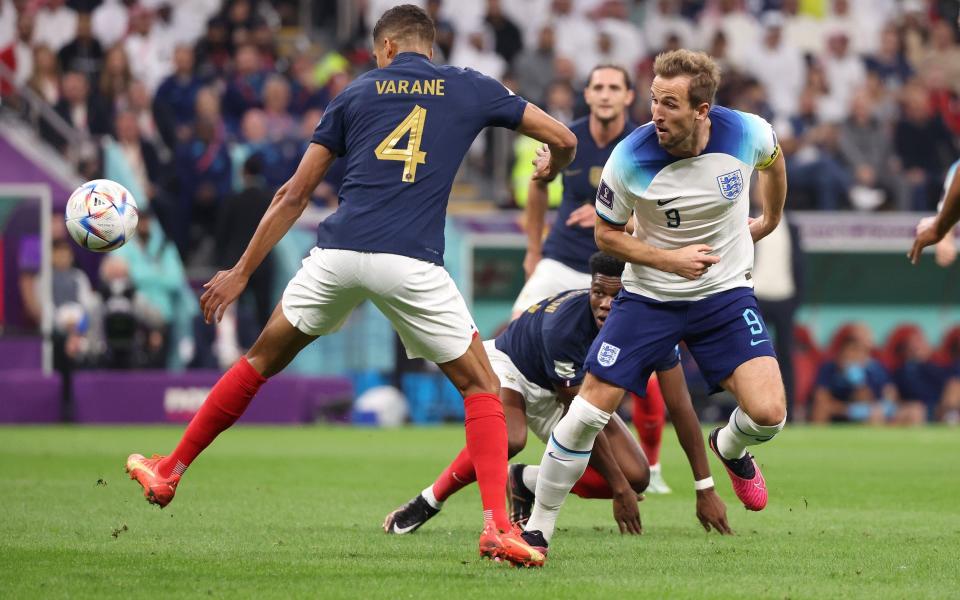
{"points": [[731, 184], [607, 355]]}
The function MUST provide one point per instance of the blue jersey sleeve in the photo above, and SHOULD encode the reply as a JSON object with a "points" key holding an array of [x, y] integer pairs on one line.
{"points": [[498, 106], [331, 131]]}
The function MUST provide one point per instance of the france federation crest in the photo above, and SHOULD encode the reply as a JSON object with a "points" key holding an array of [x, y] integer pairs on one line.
{"points": [[607, 355], [731, 184]]}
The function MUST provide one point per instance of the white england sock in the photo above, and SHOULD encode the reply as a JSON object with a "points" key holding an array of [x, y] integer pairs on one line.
{"points": [[431, 498], [530, 473], [564, 461], [742, 431]]}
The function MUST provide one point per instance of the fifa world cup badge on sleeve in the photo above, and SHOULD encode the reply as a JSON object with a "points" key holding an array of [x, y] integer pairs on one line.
{"points": [[731, 184], [607, 355], [605, 194]]}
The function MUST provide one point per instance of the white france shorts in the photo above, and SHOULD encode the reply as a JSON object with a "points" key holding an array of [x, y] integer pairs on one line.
{"points": [[419, 298]]}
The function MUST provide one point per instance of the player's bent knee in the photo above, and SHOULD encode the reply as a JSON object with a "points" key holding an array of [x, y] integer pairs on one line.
{"points": [[770, 414], [640, 479], [515, 445]]}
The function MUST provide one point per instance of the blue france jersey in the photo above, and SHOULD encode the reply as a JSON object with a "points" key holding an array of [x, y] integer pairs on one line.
{"points": [[573, 246], [549, 342], [403, 131]]}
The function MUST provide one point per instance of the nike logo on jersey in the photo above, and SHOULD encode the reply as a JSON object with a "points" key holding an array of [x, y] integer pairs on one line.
{"points": [[555, 457], [757, 342], [403, 530], [666, 202]]}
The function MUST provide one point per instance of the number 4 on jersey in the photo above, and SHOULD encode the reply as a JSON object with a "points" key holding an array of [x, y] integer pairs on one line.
{"points": [[411, 155]]}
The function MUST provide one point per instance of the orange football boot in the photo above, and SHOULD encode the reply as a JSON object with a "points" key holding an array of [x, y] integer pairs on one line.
{"points": [[156, 489]]}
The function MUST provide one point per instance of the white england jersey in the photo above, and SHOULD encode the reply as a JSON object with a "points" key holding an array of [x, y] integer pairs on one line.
{"points": [[682, 201]]}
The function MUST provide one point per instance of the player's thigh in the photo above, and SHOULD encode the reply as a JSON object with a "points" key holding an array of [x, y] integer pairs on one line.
{"points": [[628, 453], [728, 338], [323, 293], [635, 337], [277, 345], [548, 278], [511, 395], [430, 316], [758, 388]]}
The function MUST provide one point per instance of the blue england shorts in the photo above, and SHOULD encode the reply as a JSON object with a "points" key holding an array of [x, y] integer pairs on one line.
{"points": [[722, 332]]}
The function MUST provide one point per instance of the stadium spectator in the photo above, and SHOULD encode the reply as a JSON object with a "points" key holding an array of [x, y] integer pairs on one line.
{"points": [[779, 67], [446, 33], [560, 101], [149, 51], [507, 38], [534, 67], [276, 108], [853, 386], [573, 33], [236, 222], [889, 61], [116, 77], [245, 88], [45, 76], [110, 21], [156, 271], [867, 150], [84, 54], [77, 107], [801, 31], [173, 104], [20, 49], [214, 50], [72, 300], [475, 50], [740, 29], [844, 73], [56, 25], [138, 101], [925, 148], [928, 391], [941, 57], [662, 20], [140, 155]]}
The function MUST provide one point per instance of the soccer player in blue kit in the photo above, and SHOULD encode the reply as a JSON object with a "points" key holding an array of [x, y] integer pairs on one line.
{"points": [[539, 359], [403, 129], [685, 179]]}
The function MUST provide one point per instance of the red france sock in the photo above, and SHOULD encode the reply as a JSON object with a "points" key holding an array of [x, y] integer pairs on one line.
{"points": [[458, 475], [487, 445], [592, 485], [226, 402], [648, 418]]}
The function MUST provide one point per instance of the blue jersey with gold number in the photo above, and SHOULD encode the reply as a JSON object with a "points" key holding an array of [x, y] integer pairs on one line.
{"points": [[574, 245], [403, 131]]}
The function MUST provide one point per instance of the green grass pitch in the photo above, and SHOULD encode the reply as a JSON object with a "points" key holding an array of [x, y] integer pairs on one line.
{"points": [[296, 512]]}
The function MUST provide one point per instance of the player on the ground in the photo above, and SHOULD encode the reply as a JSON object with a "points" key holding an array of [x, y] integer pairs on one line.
{"points": [[560, 262], [539, 360], [685, 178], [403, 129], [938, 230]]}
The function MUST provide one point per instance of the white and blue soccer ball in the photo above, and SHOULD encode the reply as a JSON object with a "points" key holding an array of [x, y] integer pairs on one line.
{"points": [[101, 215]]}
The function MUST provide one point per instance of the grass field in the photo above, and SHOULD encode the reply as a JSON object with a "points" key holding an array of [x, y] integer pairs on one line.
{"points": [[270, 512]]}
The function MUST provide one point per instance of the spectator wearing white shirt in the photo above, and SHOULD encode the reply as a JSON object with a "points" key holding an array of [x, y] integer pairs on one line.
{"points": [[23, 50], [574, 34], [56, 25], [110, 21], [844, 72], [801, 31], [779, 68], [662, 21], [739, 27], [150, 53], [475, 50]]}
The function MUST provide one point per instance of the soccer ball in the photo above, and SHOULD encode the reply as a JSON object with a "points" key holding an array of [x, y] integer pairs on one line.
{"points": [[101, 215]]}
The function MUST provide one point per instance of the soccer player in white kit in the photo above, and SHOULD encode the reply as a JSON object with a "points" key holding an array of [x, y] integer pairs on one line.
{"points": [[685, 178]]}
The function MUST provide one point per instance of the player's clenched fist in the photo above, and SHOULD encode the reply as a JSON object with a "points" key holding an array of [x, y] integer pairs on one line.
{"points": [[690, 262]]}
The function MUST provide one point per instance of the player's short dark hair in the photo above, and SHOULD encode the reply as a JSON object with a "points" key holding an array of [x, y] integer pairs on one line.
{"points": [[626, 74], [604, 264], [405, 22], [703, 72]]}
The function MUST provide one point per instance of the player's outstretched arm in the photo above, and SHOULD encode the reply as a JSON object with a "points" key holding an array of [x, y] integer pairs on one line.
{"points": [[689, 262], [560, 141], [772, 184], [534, 217], [711, 511], [933, 229], [288, 204]]}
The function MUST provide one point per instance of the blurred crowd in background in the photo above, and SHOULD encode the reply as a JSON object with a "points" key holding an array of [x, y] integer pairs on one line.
{"points": [[204, 107]]}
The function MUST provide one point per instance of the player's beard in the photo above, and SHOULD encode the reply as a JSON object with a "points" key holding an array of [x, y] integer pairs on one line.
{"points": [[676, 141]]}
